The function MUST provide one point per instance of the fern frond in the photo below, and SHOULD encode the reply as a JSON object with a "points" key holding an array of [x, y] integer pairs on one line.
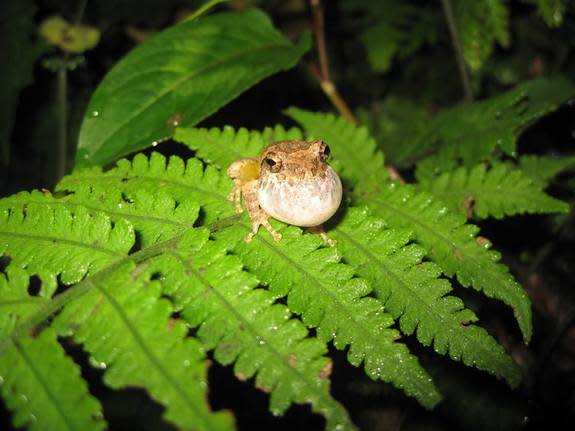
{"points": [[413, 293], [143, 345], [396, 124], [542, 169], [244, 326], [352, 146], [329, 298], [472, 133], [453, 245], [496, 192], [182, 180], [552, 11], [221, 147], [153, 213], [240, 323], [41, 386], [392, 28], [52, 241], [481, 24]]}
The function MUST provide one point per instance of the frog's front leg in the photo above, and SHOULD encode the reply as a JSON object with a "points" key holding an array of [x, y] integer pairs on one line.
{"points": [[242, 172], [245, 174], [257, 214]]}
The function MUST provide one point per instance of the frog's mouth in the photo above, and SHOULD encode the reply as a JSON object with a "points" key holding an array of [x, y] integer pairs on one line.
{"points": [[304, 203]]}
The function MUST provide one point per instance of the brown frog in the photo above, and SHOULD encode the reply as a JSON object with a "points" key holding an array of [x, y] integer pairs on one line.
{"points": [[290, 182]]}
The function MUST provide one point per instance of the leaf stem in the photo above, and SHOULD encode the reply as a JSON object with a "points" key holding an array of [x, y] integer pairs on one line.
{"points": [[458, 48], [61, 153], [322, 73]]}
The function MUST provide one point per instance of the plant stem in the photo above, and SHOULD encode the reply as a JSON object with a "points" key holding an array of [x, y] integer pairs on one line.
{"points": [[322, 74], [457, 47], [61, 153]]}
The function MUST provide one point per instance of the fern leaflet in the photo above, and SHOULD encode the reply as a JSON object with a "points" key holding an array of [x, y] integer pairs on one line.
{"points": [[498, 192], [244, 326], [143, 346], [221, 147], [54, 241], [474, 132], [413, 293], [329, 298], [481, 24], [453, 245], [542, 169], [39, 383]]}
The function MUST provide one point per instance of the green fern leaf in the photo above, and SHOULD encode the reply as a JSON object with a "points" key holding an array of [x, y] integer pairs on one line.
{"points": [[396, 124], [498, 192], [155, 214], [244, 326], [392, 28], [329, 298], [53, 241], [143, 346], [552, 11], [481, 24], [41, 386], [182, 180], [352, 146], [473, 133], [413, 293], [222, 147], [453, 245], [241, 325], [542, 169]]}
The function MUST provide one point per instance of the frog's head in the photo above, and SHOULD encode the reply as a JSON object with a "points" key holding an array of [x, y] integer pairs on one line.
{"points": [[294, 160]]}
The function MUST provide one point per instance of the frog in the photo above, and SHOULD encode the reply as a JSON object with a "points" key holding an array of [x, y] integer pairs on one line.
{"points": [[291, 182]]}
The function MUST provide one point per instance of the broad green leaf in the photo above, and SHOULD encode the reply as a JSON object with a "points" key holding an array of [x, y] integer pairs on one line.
{"points": [[499, 191], [180, 76]]}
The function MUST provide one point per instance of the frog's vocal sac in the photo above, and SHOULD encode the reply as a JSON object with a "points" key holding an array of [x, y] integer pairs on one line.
{"points": [[290, 182]]}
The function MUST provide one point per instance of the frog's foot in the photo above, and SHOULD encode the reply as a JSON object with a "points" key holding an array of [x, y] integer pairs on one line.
{"points": [[235, 196], [263, 222], [318, 230]]}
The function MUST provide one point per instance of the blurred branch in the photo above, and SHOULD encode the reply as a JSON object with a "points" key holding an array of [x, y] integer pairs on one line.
{"points": [[322, 73], [457, 47]]}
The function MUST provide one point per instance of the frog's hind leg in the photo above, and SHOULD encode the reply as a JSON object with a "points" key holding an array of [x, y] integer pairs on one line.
{"points": [[257, 214], [318, 230]]}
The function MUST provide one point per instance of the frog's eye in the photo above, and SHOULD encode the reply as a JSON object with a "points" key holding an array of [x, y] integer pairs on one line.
{"points": [[273, 165], [324, 155]]}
